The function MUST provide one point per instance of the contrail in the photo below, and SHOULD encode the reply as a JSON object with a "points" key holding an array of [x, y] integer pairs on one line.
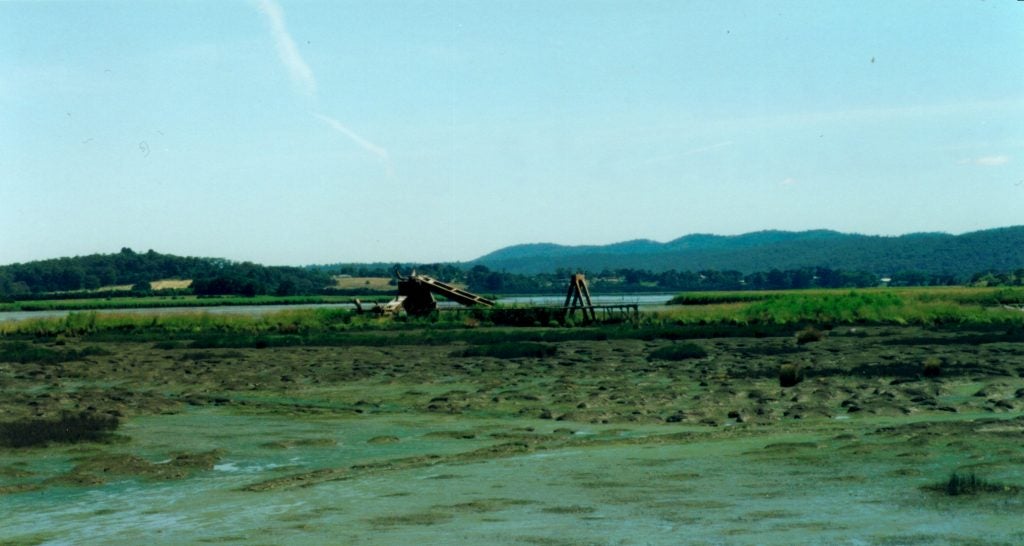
{"points": [[362, 142], [302, 77], [299, 71]]}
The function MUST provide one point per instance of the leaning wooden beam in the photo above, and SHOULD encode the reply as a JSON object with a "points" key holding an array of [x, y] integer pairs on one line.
{"points": [[578, 297]]}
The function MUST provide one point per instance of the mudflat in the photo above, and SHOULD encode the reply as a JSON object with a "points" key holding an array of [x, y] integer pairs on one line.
{"points": [[584, 442]]}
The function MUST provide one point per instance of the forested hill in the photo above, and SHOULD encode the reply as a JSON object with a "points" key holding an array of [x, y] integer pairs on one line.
{"points": [[208, 275], [999, 249]]}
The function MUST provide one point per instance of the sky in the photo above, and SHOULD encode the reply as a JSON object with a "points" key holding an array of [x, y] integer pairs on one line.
{"points": [[291, 133]]}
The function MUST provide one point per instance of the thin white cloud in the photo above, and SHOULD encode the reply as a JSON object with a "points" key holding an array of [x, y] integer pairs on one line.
{"points": [[298, 70], [880, 114], [986, 161], [789, 182], [983, 145], [992, 160], [910, 111], [378, 151]]}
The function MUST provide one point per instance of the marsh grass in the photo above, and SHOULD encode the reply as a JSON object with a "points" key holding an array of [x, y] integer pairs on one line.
{"points": [[521, 349], [711, 298], [777, 315], [677, 352], [511, 316], [931, 367], [928, 306], [970, 484], [199, 356], [809, 334], [95, 303], [961, 295], [169, 345], [790, 375], [418, 518], [23, 353], [69, 428]]}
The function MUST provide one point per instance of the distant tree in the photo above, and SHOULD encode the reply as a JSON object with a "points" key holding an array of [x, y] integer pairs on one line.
{"points": [[777, 280], [285, 288], [801, 278]]}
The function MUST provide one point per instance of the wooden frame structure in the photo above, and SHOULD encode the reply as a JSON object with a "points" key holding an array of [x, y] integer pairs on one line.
{"points": [[578, 297], [416, 297]]}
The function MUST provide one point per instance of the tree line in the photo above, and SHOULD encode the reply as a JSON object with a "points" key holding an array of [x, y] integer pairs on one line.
{"points": [[69, 277], [209, 275], [641, 280], [480, 278]]}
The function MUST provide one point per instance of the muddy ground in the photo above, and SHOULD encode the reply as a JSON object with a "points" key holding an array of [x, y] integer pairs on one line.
{"points": [[872, 370], [865, 396]]}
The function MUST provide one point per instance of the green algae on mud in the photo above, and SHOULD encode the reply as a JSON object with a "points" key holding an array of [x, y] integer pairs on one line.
{"points": [[638, 481], [314, 444]]}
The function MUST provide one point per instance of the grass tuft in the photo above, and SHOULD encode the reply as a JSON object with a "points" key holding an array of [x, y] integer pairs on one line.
{"points": [[970, 484], [790, 375], [932, 367], [23, 353], [522, 349], [69, 428], [677, 352], [809, 335]]}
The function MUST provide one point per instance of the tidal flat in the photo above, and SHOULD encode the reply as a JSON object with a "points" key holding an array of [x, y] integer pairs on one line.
{"points": [[585, 442]]}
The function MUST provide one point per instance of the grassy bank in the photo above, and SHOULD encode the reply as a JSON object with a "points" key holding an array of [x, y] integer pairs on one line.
{"points": [[954, 294], [781, 314], [918, 306], [175, 301]]}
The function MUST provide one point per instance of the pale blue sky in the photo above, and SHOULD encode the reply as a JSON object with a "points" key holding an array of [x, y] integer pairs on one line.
{"points": [[317, 132]]}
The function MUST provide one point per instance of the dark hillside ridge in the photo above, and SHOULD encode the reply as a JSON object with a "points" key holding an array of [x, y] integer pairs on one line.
{"points": [[1000, 249]]}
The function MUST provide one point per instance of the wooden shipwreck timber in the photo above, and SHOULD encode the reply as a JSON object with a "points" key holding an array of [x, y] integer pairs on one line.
{"points": [[416, 298]]}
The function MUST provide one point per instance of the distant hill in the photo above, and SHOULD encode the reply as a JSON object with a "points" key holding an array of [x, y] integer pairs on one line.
{"points": [[999, 249]]}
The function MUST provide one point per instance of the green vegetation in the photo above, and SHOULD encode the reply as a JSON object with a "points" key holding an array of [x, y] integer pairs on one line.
{"points": [[922, 306], [712, 298], [790, 375], [173, 301], [932, 367], [782, 314], [522, 349], [970, 484], [209, 275], [809, 335], [960, 295], [677, 352], [752, 262], [23, 352], [520, 316], [919, 258], [69, 428]]}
